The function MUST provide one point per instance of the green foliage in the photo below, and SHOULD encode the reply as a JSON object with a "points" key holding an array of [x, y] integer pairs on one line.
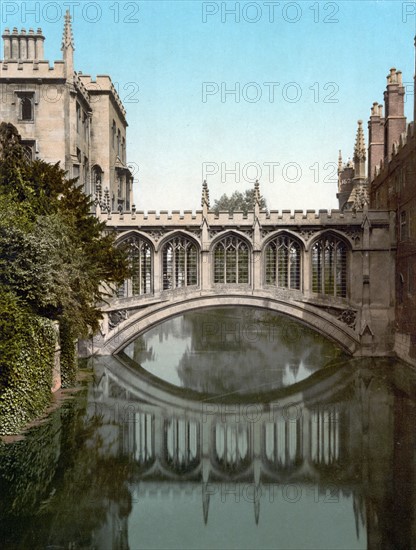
{"points": [[54, 259], [238, 202], [54, 253], [57, 484], [67, 338], [27, 345]]}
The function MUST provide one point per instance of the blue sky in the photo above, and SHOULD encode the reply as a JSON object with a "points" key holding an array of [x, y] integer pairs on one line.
{"points": [[324, 62]]}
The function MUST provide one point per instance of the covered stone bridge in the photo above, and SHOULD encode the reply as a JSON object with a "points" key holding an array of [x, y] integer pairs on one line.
{"points": [[333, 271]]}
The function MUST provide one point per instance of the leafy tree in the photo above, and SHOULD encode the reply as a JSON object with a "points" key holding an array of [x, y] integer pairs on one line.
{"points": [[238, 202], [54, 254]]}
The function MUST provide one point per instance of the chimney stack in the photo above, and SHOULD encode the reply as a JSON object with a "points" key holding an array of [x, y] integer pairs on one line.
{"points": [[39, 45], [375, 139], [21, 46], [15, 44], [395, 122], [7, 45], [31, 45]]}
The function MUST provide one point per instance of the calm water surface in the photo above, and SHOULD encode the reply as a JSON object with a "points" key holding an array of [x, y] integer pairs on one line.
{"points": [[223, 428]]}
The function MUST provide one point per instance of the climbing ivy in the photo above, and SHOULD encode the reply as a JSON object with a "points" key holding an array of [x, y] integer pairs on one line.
{"points": [[27, 347], [69, 362]]}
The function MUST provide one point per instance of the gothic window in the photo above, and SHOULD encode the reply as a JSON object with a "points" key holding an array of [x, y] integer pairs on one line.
{"points": [[26, 106], [180, 263], [78, 115], [403, 225], [182, 444], [329, 266], [141, 263], [283, 442], [231, 260], [232, 447], [113, 136], [325, 435], [282, 262], [28, 149], [86, 176], [97, 179], [127, 194], [85, 126], [119, 187]]}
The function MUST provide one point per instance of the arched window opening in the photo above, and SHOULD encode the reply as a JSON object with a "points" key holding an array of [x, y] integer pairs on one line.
{"points": [[181, 444], [231, 261], [97, 182], [329, 267], [140, 256], [26, 107], [180, 263], [232, 447], [282, 262]]}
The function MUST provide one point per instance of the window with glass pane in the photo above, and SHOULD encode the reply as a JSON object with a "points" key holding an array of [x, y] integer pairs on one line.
{"points": [[26, 106], [231, 261], [140, 256], [282, 262], [329, 267], [180, 263]]}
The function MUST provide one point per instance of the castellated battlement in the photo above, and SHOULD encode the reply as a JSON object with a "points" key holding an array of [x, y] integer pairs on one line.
{"points": [[14, 68], [100, 85], [323, 218]]}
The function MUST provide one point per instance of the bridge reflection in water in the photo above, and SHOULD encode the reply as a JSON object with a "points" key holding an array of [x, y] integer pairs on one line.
{"points": [[344, 436]]}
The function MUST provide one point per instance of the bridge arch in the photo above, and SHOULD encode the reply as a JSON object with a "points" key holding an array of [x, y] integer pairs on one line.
{"points": [[307, 314]]}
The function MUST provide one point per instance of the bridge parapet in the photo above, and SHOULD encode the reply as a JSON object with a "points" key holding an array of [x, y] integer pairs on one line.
{"points": [[172, 218]]}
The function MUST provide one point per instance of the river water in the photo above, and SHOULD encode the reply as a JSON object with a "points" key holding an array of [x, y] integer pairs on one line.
{"points": [[221, 428]]}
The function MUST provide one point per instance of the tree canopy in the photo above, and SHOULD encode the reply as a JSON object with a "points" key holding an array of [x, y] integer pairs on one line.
{"points": [[54, 254], [238, 202]]}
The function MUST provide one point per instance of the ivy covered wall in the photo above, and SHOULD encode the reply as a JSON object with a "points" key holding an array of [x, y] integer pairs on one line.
{"points": [[27, 349]]}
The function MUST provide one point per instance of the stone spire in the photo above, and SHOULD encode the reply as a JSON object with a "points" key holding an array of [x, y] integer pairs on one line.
{"points": [[359, 153], [339, 170], [68, 45], [205, 195], [257, 196], [205, 198], [67, 38]]}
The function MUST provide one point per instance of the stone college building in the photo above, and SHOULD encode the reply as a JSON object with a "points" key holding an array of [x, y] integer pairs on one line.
{"points": [[65, 116], [348, 273]]}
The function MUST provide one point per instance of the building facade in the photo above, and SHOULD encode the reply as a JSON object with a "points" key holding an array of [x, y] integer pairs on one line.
{"points": [[390, 185], [65, 116]]}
